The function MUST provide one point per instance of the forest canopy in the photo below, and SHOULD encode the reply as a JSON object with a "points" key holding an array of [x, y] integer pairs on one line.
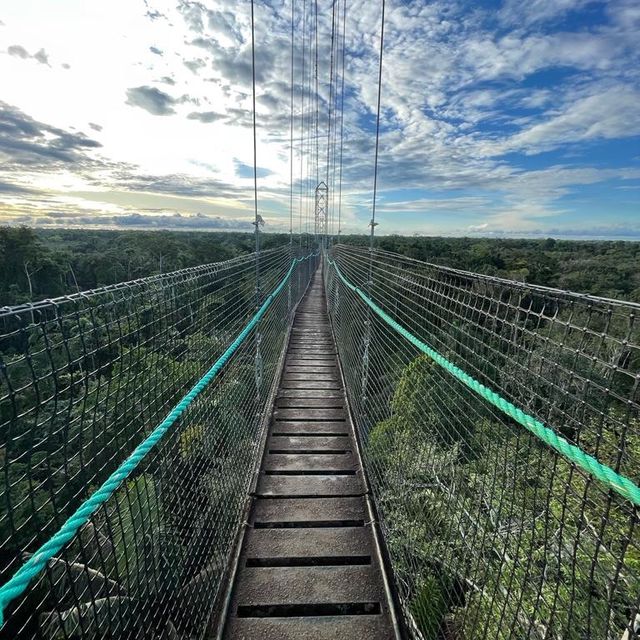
{"points": [[36, 264]]}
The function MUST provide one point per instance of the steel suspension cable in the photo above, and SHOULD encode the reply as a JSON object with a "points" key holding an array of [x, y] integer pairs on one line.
{"points": [[317, 95], [375, 162], [256, 221], [330, 113], [310, 128], [334, 130], [291, 154], [302, 106], [368, 323], [344, 30]]}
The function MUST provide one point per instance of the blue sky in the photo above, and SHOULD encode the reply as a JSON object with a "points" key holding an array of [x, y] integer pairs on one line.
{"points": [[498, 118]]}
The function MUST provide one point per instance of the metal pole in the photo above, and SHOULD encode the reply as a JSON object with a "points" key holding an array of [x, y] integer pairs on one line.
{"points": [[257, 218], [373, 223]]}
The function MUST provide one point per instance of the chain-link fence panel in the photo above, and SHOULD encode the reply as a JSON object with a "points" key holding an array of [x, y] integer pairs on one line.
{"points": [[84, 380], [493, 533]]}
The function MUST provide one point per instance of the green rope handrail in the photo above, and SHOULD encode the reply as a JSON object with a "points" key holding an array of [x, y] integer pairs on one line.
{"points": [[619, 483], [17, 585]]}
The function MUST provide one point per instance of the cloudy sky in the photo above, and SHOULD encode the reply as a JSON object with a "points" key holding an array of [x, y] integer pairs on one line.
{"points": [[498, 117]]}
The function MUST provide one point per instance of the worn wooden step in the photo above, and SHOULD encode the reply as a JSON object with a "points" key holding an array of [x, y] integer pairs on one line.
{"points": [[288, 383], [310, 354], [344, 627], [313, 371], [325, 510], [312, 429], [310, 485], [310, 362], [307, 364], [336, 402], [310, 393], [309, 463], [315, 443], [308, 585], [311, 543], [310, 414]]}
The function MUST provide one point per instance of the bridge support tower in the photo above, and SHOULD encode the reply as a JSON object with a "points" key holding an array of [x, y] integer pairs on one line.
{"points": [[321, 211]]}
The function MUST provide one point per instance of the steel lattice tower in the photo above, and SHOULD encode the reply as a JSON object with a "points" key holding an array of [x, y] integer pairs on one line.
{"points": [[322, 200]]}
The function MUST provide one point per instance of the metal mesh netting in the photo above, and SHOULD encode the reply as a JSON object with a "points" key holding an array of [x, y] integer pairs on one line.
{"points": [[84, 379], [490, 532]]}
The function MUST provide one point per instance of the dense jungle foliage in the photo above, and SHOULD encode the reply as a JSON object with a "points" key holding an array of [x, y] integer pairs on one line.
{"points": [[598, 267], [35, 264], [491, 533]]}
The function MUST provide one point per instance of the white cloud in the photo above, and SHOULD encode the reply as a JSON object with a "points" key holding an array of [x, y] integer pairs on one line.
{"points": [[612, 113], [156, 102], [18, 51], [461, 204], [453, 99], [477, 228], [516, 12]]}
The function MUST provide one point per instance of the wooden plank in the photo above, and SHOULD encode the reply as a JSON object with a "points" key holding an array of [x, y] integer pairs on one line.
{"points": [[311, 370], [318, 377], [310, 362], [305, 486], [316, 462], [312, 354], [309, 510], [309, 414], [311, 384], [310, 403], [309, 542], [310, 393], [300, 443], [309, 585], [342, 627], [311, 429]]}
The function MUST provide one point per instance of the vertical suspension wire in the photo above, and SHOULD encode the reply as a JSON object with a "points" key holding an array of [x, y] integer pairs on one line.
{"points": [[375, 162], [258, 363], [330, 116], [302, 106], [317, 95], [291, 158], [310, 128], [330, 110], [256, 221], [334, 151], [344, 35], [307, 141], [334, 134], [369, 285], [293, 6]]}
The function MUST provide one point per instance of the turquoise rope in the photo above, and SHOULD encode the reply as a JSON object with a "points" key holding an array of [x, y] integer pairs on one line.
{"points": [[620, 484], [17, 585]]}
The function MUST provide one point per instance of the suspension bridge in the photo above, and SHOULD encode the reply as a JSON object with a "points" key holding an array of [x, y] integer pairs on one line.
{"points": [[320, 440], [377, 448]]}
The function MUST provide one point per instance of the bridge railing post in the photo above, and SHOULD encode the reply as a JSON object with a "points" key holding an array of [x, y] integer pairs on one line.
{"points": [[258, 364], [366, 341], [290, 283]]}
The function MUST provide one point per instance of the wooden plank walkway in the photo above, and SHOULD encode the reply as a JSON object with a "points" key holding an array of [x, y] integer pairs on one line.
{"points": [[308, 565]]}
